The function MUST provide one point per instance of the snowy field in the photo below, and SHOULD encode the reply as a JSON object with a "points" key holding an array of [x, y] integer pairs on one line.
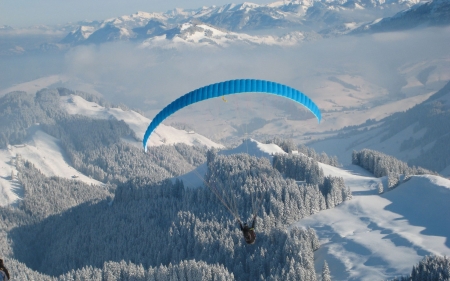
{"points": [[380, 236]]}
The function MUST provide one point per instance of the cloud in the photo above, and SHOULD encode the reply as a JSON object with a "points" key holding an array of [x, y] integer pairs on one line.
{"points": [[151, 78]]}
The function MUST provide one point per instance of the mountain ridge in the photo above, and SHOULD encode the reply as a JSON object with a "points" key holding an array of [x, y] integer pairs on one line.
{"points": [[423, 14], [234, 17]]}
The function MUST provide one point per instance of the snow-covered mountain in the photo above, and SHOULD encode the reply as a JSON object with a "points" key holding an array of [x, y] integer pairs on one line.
{"points": [[47, 154], [280, 19], [387, 232], [373, 236], [138, 123], [196, 33], [423, 14], [78, 35], [305, 15]]}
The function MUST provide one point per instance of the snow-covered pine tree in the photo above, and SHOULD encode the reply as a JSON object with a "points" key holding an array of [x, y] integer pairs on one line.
{"points": [[380, 188], [326, 275]]}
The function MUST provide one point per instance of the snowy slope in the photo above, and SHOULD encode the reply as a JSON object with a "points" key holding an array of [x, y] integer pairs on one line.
{"points": [[423, 14], [381, 137], [373, 236], [377, 237], [10, 191], [138, 123], [250, 146], [31, 87], [46, 153], [200, 34], [43, 151]]}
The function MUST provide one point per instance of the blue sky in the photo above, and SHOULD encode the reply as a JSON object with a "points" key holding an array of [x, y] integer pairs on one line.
{"points": [[21, 13]]}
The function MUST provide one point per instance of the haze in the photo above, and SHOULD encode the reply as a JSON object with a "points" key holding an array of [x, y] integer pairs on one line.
{"points": [[127, 73]]}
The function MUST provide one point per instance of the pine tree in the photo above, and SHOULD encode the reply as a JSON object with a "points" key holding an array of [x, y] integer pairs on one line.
{"points": [[326, 275], [380, 188]]}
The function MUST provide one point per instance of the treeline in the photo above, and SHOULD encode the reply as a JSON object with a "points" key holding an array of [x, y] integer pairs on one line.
{"points": [[299, 167], [96, 148], [288, 146], [19, 111], [302, 168], [429, 268], [283, 197], [382, 165]]}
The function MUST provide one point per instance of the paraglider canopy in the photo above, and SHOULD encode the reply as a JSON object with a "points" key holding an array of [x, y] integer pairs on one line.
{"points": [[228, 88]]}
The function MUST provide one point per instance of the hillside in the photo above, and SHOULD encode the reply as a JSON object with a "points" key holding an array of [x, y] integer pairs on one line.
{"points": [[379, 236], [80, 198], [417, 135], [47, 152], [152, 209], [369, 227]]}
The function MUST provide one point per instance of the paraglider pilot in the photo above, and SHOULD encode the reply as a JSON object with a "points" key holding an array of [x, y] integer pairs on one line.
{"points": [[4, 274], [249, 232]]}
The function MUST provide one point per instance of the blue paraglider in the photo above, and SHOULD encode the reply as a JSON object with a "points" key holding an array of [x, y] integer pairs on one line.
{"points": [[229, 88]]}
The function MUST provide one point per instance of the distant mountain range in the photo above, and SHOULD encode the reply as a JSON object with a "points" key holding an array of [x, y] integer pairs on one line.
{"points": [[424, 14], [282, 23], [301, 16]]}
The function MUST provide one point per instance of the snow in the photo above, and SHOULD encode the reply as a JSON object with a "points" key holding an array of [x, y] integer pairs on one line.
{"points": [[255, 148], [209, 36], [276, 4], [137, 19], [138, 123], [252, 147], [45, 153], [33, 86], [372, 236], [377, 237], [10, 190]]}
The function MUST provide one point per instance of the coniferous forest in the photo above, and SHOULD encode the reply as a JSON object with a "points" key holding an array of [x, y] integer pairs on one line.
{"points": [[142, 223]]}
